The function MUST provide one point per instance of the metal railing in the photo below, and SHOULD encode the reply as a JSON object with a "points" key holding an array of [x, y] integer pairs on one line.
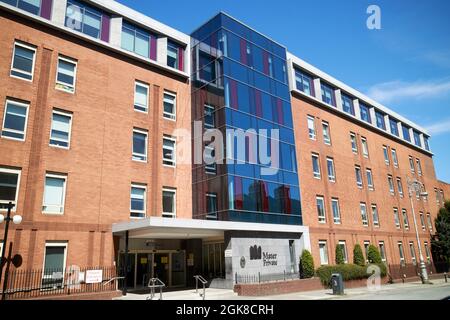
{"points": [[153, 284], [410, 270], [270, 277], [204, 282]]}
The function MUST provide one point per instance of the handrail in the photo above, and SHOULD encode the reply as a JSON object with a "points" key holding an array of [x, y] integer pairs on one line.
{"points": [[203, 281], [113, 279], [155, 283]]}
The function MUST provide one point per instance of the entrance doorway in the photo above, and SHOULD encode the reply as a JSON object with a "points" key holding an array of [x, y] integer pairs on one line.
{"points": [[168, 265]]}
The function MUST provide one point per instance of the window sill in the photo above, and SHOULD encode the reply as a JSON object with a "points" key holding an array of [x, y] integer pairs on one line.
{"points": [[169, 166], [47, 213], [13, 139], [140, 161], [59, 147], [20, 78], [60, 87]]}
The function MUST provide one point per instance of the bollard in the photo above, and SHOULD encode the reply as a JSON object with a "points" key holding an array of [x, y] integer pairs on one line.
{"points": [[445, 276], [404, 278]]}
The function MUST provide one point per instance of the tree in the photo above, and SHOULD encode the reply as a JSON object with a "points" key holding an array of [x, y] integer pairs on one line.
{"points": [[358, 257], [306, 265], [373, 255], [440, 242], [339, 255]]}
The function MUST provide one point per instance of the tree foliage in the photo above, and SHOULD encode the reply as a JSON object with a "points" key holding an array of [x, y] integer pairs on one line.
{"points": [[358, 257], [440, 243], [307, 264], [339, 255]]}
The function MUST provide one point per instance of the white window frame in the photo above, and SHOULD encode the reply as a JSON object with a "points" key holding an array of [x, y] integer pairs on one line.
{"points": [[365, 221], [174, 213], [29, 47], [405, 219], [397, 218], [321, 219], [429, 222], [166, 115], [338, 219], [376, 222], [324, 244], [394, 157], [63, 205], [365, 147], [401, 252], [419, 167], [400, 186], [391, 184], [353, 141], [422, 221], [212, 109], [331, 178], [210, 169], [66, 114], [412, 252], [135, 154], [427, 251], [382, 249], [316, 175], [326, 133], [358, 183], [311, 121], [19, 173], [370, 183], [144, 212], [147, 88], [411, 165], [209, 214], [20, 104], [62, 86], [366, 245], [54, 244], [174, 152], [344, 245], [386, 155]]}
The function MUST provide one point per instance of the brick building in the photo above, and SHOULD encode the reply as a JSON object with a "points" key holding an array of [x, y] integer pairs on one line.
{"points": [[95, 100]]}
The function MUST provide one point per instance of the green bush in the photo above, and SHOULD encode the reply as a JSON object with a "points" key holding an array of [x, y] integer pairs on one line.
{"points": [[373, 255], [348, 272], [358, 257], [307, 264], [339, 255]]}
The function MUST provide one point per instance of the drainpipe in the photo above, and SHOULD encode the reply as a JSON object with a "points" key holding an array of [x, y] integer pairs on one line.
{"points": [[125, 268]]}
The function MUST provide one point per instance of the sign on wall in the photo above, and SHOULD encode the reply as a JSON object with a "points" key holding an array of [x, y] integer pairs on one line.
{"points": [[94, 276]]}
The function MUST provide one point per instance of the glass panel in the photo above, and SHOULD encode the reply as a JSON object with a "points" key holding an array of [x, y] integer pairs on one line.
{"points": [[141, 97], [15, 117], [178, 268], [54, 258], [168, 201], [66, 72], [54, 194], [23, 59], [92, 24], [8, 187], [127, 39], [142, 45], [140, 145], [32, 6]]}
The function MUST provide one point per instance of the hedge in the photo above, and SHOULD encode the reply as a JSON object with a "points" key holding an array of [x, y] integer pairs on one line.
{"points": [[348, 272]]}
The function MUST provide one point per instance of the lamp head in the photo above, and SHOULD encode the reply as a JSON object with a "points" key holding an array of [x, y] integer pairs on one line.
{"points": [[17, 219], [2, 218]]}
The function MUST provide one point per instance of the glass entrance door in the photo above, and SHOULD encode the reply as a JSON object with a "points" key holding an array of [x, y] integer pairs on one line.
{"points": [[144, 269], [131, 268], [162, 267]]}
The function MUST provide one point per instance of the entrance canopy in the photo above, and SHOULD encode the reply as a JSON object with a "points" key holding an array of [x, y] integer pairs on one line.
{"points": [[170, 228]]}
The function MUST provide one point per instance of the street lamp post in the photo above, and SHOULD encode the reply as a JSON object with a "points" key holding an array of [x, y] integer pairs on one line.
{"points": [[17, 219], [416, 186]]}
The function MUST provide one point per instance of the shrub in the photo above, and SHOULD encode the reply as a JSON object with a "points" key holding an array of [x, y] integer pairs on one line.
{"points": [[306, 265], [339, 255], [348, 272], [373, 255], [358, 257]]}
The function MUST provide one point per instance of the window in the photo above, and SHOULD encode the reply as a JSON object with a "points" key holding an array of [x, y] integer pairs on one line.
{"points": [[358, 176], [23, 61], [169, 156], [9, 188], [380, 120], [304, 82], [172, 55], [311, 128], [382, 250], [411, 164], [54, 265], [365, 113], [365, 147], [406, 135], [323, 252], [366, 249], [364, 217], [316, 166], [141, 96], [376, 221], [369, 178], [396, 218], [138, 199], [321, 210], [401, 253], [139, 145], [210, 120], [54, 193], [391, 185], [430, 223], [211, 206], [31, 6], [15, 120], [353, 142], [330, 168], [417, 141], [343, 246], [169, 203], [210, 161], [413, 252], [394, 127], [436, 191], [419, 167], [328, 94], [66, 74], [170, 105], [86, 19], [326, 133], [400, 187], [347, 104], [422, 221], [405, 219], [427, 144], [386, 155], [427, 251], [61, 128], [336, 211], [394, 157], [138, 40]]}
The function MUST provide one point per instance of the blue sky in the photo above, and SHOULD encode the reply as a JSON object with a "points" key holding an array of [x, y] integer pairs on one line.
{"points": [[405, 65]]}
